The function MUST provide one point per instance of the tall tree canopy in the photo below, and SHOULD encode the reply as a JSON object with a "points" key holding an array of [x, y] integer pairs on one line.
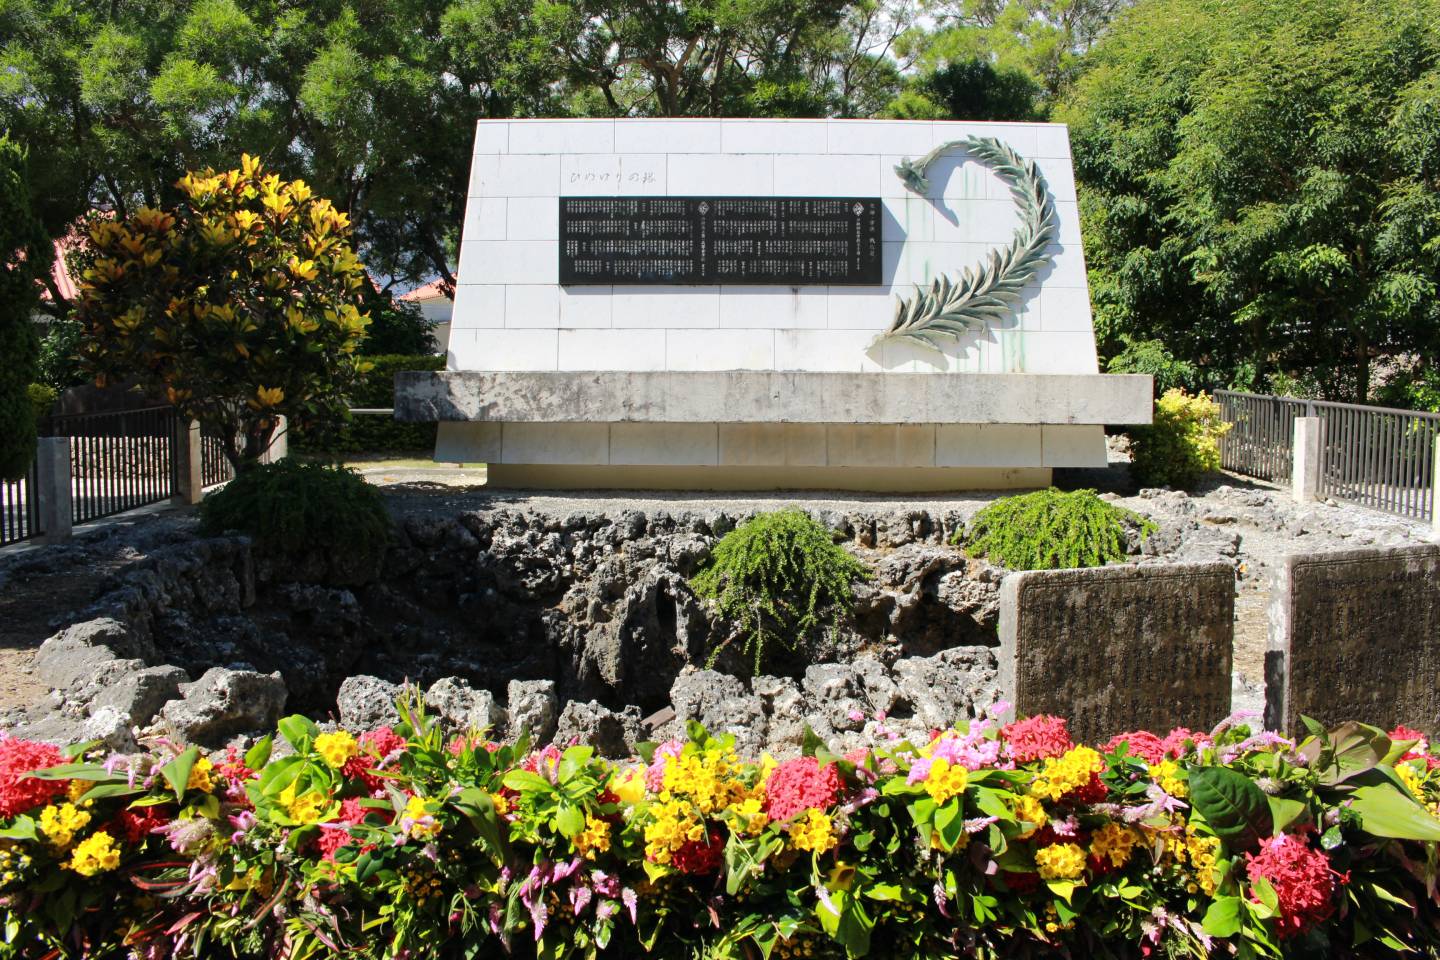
{"points": [[23, 252], [1261, 185]]}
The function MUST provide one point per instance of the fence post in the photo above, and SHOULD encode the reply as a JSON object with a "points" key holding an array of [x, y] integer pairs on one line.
{"points": [[1305, 460], [52, 489], [280, 442], [189, 472], [1435, 490]]}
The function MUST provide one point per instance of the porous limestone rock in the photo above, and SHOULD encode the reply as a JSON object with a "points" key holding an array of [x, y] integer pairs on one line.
{"points": [[224, 703], [366, 702], [534, 709]]}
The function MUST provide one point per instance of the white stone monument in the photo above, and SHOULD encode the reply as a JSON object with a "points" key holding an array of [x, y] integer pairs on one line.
{"points": [[932, 331]]}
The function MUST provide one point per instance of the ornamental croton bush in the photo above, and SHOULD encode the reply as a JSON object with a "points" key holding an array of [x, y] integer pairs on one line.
{"points": [[988, 840]]}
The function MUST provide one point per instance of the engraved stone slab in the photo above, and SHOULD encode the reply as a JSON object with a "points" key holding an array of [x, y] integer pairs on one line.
{"points": [[728, 240], [1355, 635], [1119, 648]]}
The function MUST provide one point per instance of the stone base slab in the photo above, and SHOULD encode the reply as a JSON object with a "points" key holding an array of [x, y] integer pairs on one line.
{"points": [[531, 476], [760, 396]]}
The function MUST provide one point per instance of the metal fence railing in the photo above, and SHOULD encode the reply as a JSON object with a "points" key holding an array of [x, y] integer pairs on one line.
{"points": [[118, 461], [19, 518], [1379, 457]]}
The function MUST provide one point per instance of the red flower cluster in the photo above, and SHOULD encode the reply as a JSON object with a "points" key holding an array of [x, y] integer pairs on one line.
{"points": [[701, 859], [801, 784], [19, 793], [1174, 742], [1093, 792], [381, 742], [333, 838], [1036, 738], [375, 746], [1417, 751], [1142, 744], [1302, 879], [135, 825]]}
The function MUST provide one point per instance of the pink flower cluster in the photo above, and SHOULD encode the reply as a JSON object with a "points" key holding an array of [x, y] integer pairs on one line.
{"points": [[1036, 738], [801, 784], [19, 793], [973, 751], [1302, 879]]}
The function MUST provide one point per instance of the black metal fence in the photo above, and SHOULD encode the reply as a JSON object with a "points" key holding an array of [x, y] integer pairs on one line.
{"points": [[19, 518], [1379, 457], [118, 461]]}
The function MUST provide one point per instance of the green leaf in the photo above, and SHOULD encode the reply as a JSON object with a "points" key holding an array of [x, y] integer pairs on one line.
{"points": [[1286, 812], [177, 771], [1224, 918], [524, 780], [811, 744], [259, 755], [1063, 889], [299, 731], [1386, 812], [569, 820], [22, 829], [1234, 807]]}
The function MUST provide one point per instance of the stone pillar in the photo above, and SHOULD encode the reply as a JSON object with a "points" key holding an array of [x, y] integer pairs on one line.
{"points": [[52, 490], [1305, 463], [189, 475]]}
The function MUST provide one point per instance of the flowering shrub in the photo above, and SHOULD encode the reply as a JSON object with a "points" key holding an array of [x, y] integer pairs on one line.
{"points": [[986, 840]]}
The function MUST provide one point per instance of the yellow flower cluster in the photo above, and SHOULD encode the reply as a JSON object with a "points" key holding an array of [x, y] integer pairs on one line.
{"points": [[710, 778], [1115, 842], [336, 748], [595, 838], [423, 824], [97, 853], [1070, 771], [1060, 861], [1203, 852], [751, 811], [946, 780], [1166, 773], [201, 776], [308, 807], [60, 824], [814, 832], [1032, 811], [674, 823], [13, 863]]}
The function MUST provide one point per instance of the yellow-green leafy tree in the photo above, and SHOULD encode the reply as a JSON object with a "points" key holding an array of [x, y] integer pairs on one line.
{"points": [[241, 304]]}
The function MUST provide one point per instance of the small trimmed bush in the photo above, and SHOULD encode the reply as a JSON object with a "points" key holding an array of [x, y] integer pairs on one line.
{"points": [[779, 576], [1049, 530], [295, 508], [1181, 445]]}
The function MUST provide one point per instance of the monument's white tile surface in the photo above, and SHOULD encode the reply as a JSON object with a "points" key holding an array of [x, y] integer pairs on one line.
{"points": [[562, 136], [478, 305], [532, 305], [516, 350], [492, 136], [773, 136], [673, 307], [509, 261], [485, 218], [881, 136], [1073, 445], [1052, 140], [774, 307], [611, 349], [586, 307], [1021, 137], [1059, 178], [772, 444], [667, 136], [515, 175], [1057, 353], [720, 350], [531, 218], [824, 175], [826, 350], [880, 445], [719, 173], [1065, 310]]}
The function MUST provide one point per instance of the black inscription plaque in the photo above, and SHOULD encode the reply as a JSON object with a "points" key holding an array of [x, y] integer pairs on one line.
{"points": [[794, 241]]}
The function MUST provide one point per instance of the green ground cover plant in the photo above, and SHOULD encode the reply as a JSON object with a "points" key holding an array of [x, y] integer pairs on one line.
{"points": [[778, 576], [1051, 529], [292, 507]]}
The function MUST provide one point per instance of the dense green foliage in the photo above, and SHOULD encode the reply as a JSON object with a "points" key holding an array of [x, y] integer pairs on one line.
{"points": [[1181, 445], [23, 253], [42, 399], [375, 388], [1049, 530], [396, 327], [1150, 357], [295, 508], [778, 576], [1260, 186]]}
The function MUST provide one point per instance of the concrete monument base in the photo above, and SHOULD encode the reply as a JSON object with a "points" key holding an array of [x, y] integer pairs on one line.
{"points": [[530, 476]]}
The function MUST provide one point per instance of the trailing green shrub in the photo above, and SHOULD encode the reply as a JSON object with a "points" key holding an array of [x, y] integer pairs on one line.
{"points": [[778, 575], [1048, 530], [42, 398], [370, 433], [1181, 445], [293, 508]]}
